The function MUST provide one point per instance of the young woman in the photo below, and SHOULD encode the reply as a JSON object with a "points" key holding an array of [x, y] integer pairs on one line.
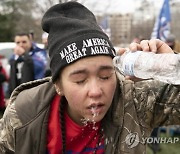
{"points": [[86, 107]]}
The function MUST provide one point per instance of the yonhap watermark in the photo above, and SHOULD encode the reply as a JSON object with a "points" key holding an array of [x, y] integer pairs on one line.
{"points": [[133, 139], [167, 140]]}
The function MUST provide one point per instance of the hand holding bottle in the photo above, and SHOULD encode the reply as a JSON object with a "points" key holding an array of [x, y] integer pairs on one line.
{"points": [[147, 65]]}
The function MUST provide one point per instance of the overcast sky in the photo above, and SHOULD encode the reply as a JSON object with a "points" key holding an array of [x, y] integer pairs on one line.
{"points": [[115, 6]]}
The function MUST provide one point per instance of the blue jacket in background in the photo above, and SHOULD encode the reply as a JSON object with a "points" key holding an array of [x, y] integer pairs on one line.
{"points": [[28, 67]]}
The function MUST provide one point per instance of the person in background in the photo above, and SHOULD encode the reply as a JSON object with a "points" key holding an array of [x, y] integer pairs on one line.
{"points": [[31, 36], [28, 62], [45, 42], [3, 78], [87, 106], [173, 43]]}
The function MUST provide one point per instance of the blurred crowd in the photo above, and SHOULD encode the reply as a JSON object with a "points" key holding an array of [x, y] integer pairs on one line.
{"points": [[28, 62]]}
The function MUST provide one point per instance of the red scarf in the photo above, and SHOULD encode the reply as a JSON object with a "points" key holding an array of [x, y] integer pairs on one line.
{"points": [[79, 139]]}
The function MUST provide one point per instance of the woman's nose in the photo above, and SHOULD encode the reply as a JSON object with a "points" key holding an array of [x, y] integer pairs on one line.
{"points": [[95, 89]]}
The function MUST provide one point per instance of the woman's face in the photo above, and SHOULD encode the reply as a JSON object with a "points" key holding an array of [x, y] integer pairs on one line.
{"points": [[89, 85]]}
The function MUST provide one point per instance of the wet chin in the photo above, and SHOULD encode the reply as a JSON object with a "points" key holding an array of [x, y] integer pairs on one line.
{"points": [[93, 118]]}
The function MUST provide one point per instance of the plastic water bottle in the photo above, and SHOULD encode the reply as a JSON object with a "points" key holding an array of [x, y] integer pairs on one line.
{"points": [[148, 65]]}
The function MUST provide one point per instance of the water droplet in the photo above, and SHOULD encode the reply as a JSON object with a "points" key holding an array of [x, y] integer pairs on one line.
{"points": [[94, 112], [85, 121]]}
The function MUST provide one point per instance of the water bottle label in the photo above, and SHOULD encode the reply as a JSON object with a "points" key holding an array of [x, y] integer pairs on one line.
{"points": [[129, 61]]}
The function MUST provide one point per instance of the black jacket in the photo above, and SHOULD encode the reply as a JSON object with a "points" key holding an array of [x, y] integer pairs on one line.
{"points": [[27, 71]]}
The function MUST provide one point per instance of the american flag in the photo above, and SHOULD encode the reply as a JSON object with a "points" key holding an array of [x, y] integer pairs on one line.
{"points": [[162, 27]]}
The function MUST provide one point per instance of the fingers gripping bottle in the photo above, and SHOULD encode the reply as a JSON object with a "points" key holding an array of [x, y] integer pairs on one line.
{"points": [[148, 65]]}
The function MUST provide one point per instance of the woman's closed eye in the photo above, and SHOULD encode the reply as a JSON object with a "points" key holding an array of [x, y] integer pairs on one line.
{"points": [[105, 75], [80, 81]]}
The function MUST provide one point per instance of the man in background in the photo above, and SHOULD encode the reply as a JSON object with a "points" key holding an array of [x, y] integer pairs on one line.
{"points": [[27, 63], [173, 43], [45, 42]]}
